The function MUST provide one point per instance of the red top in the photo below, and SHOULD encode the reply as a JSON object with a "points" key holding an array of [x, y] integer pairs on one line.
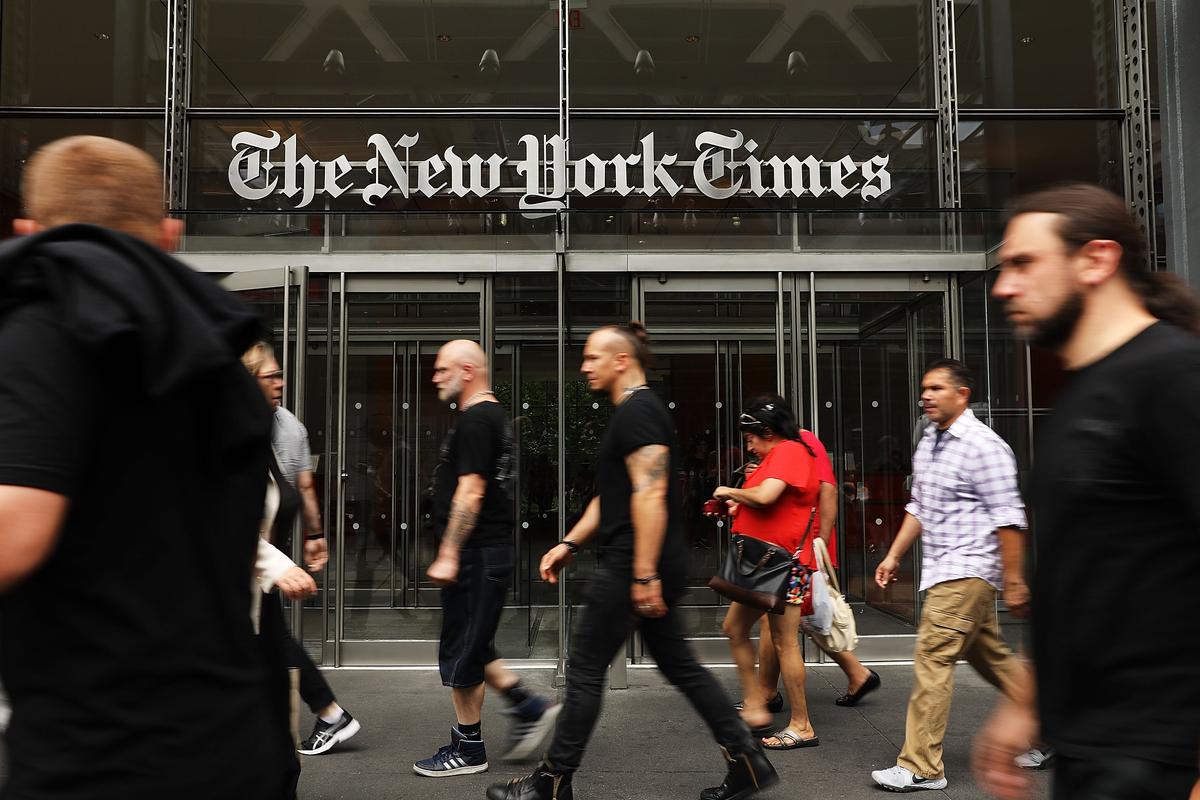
{"points": [[824, 475], [783, 522]]}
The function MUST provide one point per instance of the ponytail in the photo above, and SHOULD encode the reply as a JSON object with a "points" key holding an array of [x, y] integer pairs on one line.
{"points": [[1168, 298]]}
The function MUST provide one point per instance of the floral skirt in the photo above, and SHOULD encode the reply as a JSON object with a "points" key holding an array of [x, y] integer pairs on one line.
{"points": [[798, 583]]}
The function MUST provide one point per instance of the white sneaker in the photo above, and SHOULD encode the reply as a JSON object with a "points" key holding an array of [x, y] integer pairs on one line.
{"points": [[899, 779], [1034, 758]]}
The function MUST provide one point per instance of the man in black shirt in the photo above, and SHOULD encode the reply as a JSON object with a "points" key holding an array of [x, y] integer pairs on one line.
{"points": [[1116, 501], [635, 518], [473, 512], [133, 471]]}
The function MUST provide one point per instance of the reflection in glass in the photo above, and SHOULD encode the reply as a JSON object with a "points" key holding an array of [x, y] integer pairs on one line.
{"points": [[21, 137], [727, 53], [82, 53], [380, 53], [1007, 50], [1004, 158]]}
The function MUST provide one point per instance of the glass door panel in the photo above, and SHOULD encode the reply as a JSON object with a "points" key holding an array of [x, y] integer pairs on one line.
{"points": [[392, 427], [714, 351], [871, 347]]}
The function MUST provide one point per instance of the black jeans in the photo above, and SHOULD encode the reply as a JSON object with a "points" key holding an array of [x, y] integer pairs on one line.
{"points": [[272, 638], [607, 619], [1121, 778], [314, 690]]}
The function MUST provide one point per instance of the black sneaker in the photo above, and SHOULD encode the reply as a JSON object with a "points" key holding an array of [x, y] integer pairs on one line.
{"points": [[749, 774], [460, 757], [326, 734], [533, 720], [541, 785]]}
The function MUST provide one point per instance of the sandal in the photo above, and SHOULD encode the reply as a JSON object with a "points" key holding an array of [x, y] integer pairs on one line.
{"points": [[774, 705], [789, 740]]}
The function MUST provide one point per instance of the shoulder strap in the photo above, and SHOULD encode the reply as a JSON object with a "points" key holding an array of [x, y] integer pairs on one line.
{"points": [[807, 532], [821, 552]]}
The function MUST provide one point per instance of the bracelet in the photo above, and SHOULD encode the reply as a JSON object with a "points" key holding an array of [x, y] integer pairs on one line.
{"points": [[313, 536], [571, 546], [646, 581]]}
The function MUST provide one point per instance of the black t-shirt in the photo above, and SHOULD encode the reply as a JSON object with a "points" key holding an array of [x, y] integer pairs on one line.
{"points": [[640, 420], [129, 654], [481, 444], [1117, 512]]}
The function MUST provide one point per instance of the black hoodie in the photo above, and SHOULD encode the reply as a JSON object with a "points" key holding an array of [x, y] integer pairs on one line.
{"points": [[129, 654]]}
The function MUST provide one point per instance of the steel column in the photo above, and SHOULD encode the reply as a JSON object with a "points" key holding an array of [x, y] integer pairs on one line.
{"points": [[1135, 127], [949, 186], [177, 96], [1179, 87]]}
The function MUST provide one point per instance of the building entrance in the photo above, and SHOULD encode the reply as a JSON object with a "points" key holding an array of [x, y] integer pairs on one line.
{"points": [[845, 350]]}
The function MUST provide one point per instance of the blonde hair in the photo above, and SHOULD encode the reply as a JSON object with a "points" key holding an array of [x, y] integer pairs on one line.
{"points": [[254, 358], [95, 180]]}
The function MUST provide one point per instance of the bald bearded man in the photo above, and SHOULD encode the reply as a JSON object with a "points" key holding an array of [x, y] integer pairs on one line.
{"points": [[133, 450], [474, 516]]}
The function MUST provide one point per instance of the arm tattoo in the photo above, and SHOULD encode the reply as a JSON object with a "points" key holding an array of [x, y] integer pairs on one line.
{"points": [[460, 525], [649, 465]]}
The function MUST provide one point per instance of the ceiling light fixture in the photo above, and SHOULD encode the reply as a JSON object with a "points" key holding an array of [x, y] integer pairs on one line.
{"points": [[443, 37], [1026, 40], [489, 64], [104, 37], [643, 63]]}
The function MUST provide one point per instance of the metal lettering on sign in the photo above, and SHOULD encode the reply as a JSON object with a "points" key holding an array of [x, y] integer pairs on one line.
{"points": [[726, 165]]}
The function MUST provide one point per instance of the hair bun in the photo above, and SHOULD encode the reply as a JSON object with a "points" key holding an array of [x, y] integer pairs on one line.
{"points": [[638, 329]]}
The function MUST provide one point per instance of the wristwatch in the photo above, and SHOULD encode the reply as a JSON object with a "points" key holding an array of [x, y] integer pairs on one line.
{"points": [[313, 536], [574, 548], [646, 581]]}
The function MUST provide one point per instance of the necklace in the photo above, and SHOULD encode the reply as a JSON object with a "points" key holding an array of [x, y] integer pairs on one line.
{"points": [[628, 390], [473, 397]]}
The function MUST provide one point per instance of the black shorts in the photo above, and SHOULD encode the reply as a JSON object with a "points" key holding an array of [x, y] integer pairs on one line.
{"points": [[471, 611]]}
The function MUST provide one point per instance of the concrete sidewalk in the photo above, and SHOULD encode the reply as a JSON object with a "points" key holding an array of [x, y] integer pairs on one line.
{"points": [[649, 742]]}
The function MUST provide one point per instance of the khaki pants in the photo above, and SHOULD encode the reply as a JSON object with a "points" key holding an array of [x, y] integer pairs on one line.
{"points": [[958, 621]]}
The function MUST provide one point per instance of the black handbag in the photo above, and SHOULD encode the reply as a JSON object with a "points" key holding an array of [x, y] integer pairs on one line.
{"points": [[757, 573]]}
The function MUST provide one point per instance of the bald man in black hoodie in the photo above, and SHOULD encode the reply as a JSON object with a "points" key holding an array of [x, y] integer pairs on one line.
{"points": [[133, 450]]}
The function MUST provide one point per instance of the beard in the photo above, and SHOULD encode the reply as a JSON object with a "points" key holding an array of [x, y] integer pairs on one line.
{"points": [[1055, 330], [450, 390]]}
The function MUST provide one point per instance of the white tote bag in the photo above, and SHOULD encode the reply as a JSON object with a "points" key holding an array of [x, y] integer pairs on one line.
{"points": [[841, 634]]}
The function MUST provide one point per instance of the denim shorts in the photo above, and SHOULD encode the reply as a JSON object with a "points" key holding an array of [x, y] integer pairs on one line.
{"points": [[471, 610]]}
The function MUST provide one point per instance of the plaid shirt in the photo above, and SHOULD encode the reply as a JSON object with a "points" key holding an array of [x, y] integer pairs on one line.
{"points": [[964, 488]]}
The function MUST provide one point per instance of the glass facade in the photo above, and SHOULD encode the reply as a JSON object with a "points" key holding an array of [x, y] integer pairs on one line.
{"points": [[785, 193]]}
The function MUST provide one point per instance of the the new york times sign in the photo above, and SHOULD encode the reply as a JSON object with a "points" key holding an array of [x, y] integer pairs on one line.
{"points": [[724, 166]]}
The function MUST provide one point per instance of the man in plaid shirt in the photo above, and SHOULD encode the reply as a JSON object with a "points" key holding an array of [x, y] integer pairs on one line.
{"points": [[967, 510]]}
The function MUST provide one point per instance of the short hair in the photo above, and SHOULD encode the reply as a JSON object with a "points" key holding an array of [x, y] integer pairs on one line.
{"points": [[1087, 212], [634, 332], [254, 358], [960, 373], [95, 180]]}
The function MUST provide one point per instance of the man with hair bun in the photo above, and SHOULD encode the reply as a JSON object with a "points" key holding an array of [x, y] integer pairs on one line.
{"points": [[133, 459], [635, 517], [1116, 500]]}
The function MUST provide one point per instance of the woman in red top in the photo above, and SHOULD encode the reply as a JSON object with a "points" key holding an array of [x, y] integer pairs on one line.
{"points": [[777, 504]]}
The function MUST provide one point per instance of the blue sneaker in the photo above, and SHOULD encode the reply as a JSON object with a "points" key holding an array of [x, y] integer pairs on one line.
{"points": [[460, 757]]}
